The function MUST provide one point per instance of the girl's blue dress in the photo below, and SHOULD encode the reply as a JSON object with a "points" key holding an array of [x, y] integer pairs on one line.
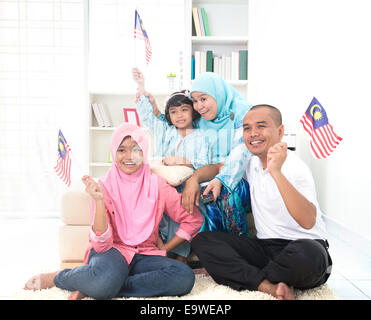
{"points": [[168, 141]]}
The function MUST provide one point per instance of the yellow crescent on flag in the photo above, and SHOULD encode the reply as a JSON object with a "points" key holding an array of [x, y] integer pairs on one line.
{"points": [[316, 114]]}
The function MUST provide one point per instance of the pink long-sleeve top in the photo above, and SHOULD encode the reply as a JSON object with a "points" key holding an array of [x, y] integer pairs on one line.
{"points": [[169, 201]]}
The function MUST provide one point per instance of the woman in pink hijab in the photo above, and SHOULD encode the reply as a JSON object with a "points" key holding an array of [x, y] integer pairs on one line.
{"points": [[123, 259]]}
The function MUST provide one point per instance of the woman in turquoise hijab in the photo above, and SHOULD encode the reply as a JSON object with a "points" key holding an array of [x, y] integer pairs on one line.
{"points": [[222, 109]]}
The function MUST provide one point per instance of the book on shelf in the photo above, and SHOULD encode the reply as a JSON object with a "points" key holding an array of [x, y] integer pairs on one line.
{"points": [[209, 60], [197, 63], [101, 115], [230, 67], [192, 67], [196, 22], [242, 65], [193, 28], [203, 62], [201, 22], [97, 114], [221, 70], [234, 65], [105, 114], [205, 22]]}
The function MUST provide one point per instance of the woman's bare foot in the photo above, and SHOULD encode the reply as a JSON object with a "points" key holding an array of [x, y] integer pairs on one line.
{"points": [[201, 271], [41, 281], [76, 295], [280, 290]]}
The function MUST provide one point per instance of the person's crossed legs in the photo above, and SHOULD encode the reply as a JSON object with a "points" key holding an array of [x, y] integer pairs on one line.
{"points": [[273, 266]]}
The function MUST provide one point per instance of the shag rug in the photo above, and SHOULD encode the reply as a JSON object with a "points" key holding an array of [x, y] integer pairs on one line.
{"points": [[204, 289]]}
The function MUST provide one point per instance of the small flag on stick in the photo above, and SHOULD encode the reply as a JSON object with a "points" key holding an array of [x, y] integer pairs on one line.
{"points": [[140, 33], [63, 167], [323, 138]]}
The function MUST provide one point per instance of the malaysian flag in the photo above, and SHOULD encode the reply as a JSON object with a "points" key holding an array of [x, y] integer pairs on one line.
{"points": [[323, 138], [63, 167], [140, 33]]}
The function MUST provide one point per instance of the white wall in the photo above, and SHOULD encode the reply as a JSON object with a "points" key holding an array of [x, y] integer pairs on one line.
{"points": [[304, 48], [113, 51]]}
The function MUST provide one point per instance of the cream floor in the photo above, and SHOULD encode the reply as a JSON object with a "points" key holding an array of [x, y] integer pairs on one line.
{"points": [[29, 246]]}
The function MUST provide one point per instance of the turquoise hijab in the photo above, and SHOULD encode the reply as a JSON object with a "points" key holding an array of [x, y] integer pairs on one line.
{"points": [[232, 107]]}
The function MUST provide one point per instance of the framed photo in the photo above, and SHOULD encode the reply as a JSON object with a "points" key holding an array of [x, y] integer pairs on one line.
{"points": [[131, 116]]}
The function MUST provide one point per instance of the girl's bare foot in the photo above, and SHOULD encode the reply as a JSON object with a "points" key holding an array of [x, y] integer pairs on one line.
{"points": [[41, 281], [76, 295]]}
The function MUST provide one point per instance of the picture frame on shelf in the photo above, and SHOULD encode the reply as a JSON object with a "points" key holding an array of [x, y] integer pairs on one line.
{"points": [[131, 116]]}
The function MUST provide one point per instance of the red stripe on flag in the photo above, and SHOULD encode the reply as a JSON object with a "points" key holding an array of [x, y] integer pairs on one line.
{"points": [[337, 139], [314, 136], [305, 127], [138, 34], [325, 140], [329, 137], [63, 167], [317, 139], [314, 150]]}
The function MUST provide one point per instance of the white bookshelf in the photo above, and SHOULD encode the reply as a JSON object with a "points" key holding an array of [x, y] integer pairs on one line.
{"points": [[99, 137], [228, 23], [211, 40], [228, 20]]}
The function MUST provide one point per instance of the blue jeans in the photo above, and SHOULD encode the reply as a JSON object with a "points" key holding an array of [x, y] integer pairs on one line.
{"points": [[108, 275]]}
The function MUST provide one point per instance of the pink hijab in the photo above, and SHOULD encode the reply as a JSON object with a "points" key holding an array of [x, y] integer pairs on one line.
{"points": [[134, 196]]}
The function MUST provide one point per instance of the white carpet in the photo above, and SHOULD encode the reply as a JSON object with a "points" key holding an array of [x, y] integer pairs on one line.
{"points": [[204, 289]]}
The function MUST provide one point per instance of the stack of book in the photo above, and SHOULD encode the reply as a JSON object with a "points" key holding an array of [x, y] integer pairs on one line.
{"points": [[200, 26], [101, 115], [233, 67]]}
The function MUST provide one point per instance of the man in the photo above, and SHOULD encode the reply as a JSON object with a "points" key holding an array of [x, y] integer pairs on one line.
{"points": [[290, 250]]}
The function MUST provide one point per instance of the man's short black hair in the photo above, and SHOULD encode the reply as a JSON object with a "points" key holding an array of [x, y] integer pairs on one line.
{"points": [[276, 114]]}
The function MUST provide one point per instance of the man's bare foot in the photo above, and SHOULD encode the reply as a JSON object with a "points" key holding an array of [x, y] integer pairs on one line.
{"points": [[76, 295], [284, 292], [280, 290], [41, 281]]}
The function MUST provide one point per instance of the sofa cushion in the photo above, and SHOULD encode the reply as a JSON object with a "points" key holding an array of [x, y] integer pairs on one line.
{"points": [[75, 208], [174, 175], [73, 242]]}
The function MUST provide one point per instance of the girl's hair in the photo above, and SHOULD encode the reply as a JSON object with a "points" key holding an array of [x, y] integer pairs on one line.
{"points": [[176, 100]]}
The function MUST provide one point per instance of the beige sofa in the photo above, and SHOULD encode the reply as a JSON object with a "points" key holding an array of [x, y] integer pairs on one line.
{"points": [[74, 233]]}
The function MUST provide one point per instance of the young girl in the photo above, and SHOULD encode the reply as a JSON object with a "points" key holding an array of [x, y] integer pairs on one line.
{"points": [[176, 140], [123, 259]]}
